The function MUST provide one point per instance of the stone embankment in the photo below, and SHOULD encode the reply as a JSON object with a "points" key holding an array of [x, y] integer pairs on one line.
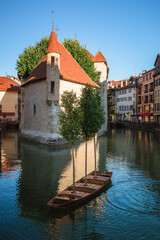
{"points": [[135, 125]]}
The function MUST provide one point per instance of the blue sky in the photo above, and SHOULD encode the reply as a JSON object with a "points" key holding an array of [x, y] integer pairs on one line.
{"points": [[126, 32]]}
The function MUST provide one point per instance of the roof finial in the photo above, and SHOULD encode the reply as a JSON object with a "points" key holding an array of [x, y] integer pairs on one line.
{"points": [[53, 20], [75, 35]]}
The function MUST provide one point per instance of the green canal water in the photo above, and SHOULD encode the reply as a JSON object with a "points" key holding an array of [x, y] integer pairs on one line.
{"points": [[31, 174]]}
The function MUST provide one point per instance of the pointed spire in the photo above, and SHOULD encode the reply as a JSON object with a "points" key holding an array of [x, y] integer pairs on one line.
{"points": [[53, 42], [76, 41]]}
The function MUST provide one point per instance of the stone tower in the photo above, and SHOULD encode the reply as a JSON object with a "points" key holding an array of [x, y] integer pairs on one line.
{"points": [[101, 66], [53, 70]]}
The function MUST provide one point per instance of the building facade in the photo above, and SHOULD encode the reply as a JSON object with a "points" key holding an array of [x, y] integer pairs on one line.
{"points": [[9, 99], [126, 100], [145, 96], [157, 90], [55, 73]]}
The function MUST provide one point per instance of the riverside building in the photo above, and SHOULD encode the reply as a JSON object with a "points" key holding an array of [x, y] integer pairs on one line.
{"points": [[145, 96], [57, 72], [126, 100], [157, 90]]}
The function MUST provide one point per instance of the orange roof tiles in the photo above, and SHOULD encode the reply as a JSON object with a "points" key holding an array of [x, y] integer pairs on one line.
{"points": [[8, 85], [99, 58], [70, 70], [53, 43], [39, 73]]}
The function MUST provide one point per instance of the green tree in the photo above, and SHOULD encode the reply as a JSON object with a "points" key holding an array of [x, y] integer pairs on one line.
{"points": [[69, 122], [92, 118], [30, 57], [81, 55]]}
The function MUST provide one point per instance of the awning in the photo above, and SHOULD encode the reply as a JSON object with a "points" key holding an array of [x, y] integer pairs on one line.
{"points": [[146, 114], [7, 114]]}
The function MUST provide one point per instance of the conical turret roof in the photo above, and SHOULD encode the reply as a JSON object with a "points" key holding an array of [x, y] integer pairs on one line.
{"points": [[99, 58], [53, 43]]}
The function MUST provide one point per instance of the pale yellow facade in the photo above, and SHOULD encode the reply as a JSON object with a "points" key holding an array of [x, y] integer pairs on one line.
{"points": [[9, 104]]}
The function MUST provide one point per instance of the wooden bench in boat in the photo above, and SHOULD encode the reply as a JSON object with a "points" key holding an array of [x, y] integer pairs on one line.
{"points": [[89, 188], [99, 180], [76, 194]]}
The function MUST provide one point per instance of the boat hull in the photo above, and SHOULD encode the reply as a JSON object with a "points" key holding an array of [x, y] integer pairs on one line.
{"points": [[68, 199]]}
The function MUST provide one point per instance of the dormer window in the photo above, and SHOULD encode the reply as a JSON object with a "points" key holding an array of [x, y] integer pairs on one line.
{"points": [[52, 61]]}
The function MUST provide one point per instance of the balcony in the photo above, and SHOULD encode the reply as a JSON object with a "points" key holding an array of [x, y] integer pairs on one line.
{"points": [[151, 90], [146, 91]]}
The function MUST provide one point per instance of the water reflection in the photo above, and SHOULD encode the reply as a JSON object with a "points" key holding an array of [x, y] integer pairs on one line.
{"points": [[9, 151], [31, 174], [45, 171]]}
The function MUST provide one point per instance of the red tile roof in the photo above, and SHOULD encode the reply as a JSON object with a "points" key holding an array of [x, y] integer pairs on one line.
{"points": [[8, 85], [53, 43], [99, 58], [70, 70]]}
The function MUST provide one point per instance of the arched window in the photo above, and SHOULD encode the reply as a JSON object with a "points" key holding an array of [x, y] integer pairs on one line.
{"points": [[34, 109]]}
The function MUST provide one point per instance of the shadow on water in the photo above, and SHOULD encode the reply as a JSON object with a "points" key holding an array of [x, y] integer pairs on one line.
{"points": [[41, 170]]}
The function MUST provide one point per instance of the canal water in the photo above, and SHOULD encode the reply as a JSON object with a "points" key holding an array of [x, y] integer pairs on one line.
{"points": [[31, 174]]}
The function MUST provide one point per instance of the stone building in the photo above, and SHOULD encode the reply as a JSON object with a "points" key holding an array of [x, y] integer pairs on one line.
{"points": [[55, 73], [157, 90], [9, 99], [102, 68]]}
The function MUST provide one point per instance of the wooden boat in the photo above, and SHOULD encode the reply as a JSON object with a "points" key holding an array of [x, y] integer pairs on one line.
{"points": [[67, 199]]}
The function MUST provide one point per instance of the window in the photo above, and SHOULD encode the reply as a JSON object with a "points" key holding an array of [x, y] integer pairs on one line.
{"points": [[52, 87], [158, 94], [150, 75], [155, 107], [129, 98], [0, 108], [34, 109], [99, 73], [129, 90], [147, 77], [52, 61]]}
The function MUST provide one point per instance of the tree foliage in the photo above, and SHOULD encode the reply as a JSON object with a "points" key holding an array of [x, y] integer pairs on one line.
{"points": [[30, 57], [92, 112], [69, 119], [80, 54]]}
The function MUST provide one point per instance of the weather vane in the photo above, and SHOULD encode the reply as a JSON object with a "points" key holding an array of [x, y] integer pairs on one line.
{"points": [[53, 19]]}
